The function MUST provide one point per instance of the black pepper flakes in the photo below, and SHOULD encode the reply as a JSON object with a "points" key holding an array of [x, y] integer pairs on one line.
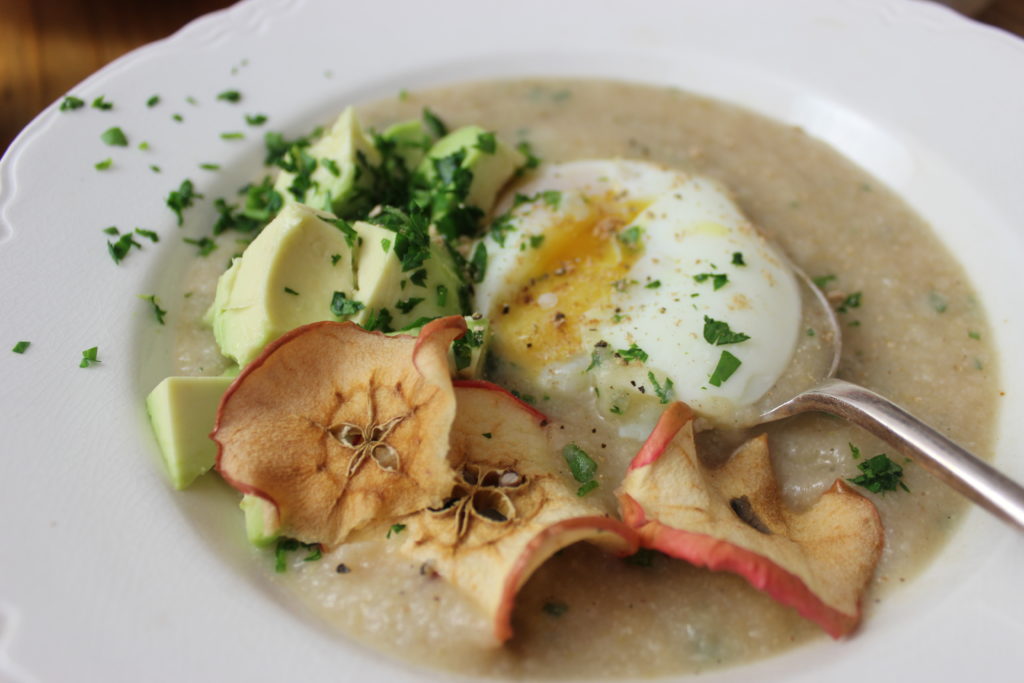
{"points": [[342, 568]]}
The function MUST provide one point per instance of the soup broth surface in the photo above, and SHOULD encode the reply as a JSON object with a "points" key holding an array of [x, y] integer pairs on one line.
{"points": [[919, 337]]}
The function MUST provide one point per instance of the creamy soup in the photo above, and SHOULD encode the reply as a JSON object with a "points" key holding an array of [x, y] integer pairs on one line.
{"points": [[919, 336]]}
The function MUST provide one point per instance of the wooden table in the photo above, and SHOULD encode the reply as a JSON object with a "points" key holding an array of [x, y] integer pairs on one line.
{"points": [[47, 46]]}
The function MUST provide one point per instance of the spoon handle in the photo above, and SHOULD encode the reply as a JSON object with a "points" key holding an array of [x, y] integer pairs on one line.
{"points": [[957, 467]]}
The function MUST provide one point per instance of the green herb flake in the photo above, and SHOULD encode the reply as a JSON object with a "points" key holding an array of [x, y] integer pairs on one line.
{"points": [[727, 365], [182, 198], [379, 321], [407, 305], [148, 234], [288, 545], [71, 103], [191, 100], [144, 146], [487, 143], [532, 160], [434, 124], [344, 307], [157, 311], [22, 346], [289, 290], [395, 529], [880, 474], [332, 167], [119, 249], [112, 230], [718, 280], [385, 244], [335, 258], [486, 435], [581, 465], [478, 262], [584, 489], [938, 302], [718, 333], [595, 360], [101, 104], [631, 236], [89, 357], [154, 168], [233, 135], [115, 137], [103, 165], [654, 284], [536, 241], [419, 278], [255, 119], [634, 352], [315, 554], [822, 280], [974, 335], [153, 101], [232, 96], [737, 258], [553, 198], [811, 332], [850, 302], [442, 296], [854, 451], [615, 410], [555, 608], [663, 391], [209, 167], [178, 117], [205, 245]]}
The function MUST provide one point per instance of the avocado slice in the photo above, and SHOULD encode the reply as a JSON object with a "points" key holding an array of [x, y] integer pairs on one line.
{"points": [[339, 181], [182, 411], [262, 523], [491, 162], [284, 279]]}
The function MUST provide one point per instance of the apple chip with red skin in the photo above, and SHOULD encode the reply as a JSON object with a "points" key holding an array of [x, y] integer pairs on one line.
{"points": [[340, 428], [732, 518], [510, 509]]}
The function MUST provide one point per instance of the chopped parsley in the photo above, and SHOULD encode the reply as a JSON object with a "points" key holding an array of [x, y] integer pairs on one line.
{"points": [[654, 284], [103, 165], [663, 391], [462, 348], [395, 529], [582, 467], [419, 278], [532, 161], [880, 474], [114, 137], [154, 168], [22, 346], [112, 230], [487, 143], [332, 166], [209, 167], [536, 241], [478, 262], [343, 307], [555, 608], [119, 249], [232, 96], [631, 236], [938, 302], [727, 365], [144, 146], [822, 280], [178, 117], [287, 545], [718, 280], [182, 198], [70, 103], [379, 321], [851, 301], [153, 101], [102, 104], [233, 135], [634, 352], [433, 124], [737, 258], [89, 357], [854, 451], [157, 311], [335, 258], [408, 304], [205, 245], [385, 244], [255, 119], [289, 290], [442, 295], [974, 335], [718, 333]]}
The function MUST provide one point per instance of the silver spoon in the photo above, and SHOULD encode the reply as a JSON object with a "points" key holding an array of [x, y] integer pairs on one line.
{"points": [[817, 389]]}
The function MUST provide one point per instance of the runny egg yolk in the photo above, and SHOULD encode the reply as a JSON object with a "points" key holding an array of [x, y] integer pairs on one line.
{"points": [[570, 275]]}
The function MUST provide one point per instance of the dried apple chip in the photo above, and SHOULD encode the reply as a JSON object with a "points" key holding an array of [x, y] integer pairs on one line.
{"points": [[510, 509], [732, 518], [339, 427]]}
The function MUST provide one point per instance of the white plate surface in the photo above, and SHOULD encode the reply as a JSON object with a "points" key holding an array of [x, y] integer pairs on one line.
{"points": [[106, 574]]}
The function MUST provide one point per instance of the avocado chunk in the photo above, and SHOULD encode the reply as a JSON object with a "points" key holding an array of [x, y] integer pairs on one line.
{"points": [[336, 177], [182, 411], [410, 140], [467, 354], [284, 279], [489, 162], [262, 523], [395, 298]]}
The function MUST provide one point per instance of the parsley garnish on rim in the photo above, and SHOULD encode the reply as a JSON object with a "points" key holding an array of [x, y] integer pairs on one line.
{"points": [[157, 311], [182, 198], [434, 124], [851, 301], [287, 545], [718, 280], [233, 135], [880, 474], [395, 529], [153, 101], [487, 143], [255, 119], [102, 104], [103, 165], [634, 352], [718, 333], [89, 357], [205, 245], [663, 391], [582, 467], [119, 249], [232, 96], [737, 259], [70, 103], [478, 262], [408, 304], [114, 137], [727, 365], [21, 347]]}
